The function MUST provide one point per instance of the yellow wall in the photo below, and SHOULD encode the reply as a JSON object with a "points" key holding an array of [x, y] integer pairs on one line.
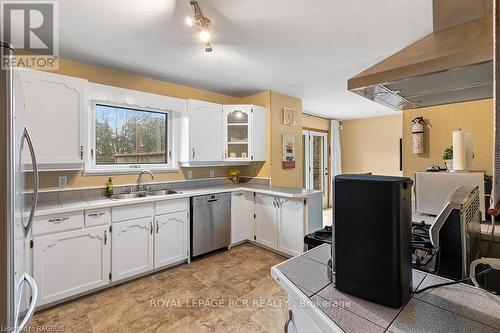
{"points": [[274, 102], [314, 122], [124, 80], [474, 117], [280, 176], [272, 168], [371, 145]]}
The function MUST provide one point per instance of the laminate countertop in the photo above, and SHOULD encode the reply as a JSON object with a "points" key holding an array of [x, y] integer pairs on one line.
{"points": [[455, 308], [71, 205]]}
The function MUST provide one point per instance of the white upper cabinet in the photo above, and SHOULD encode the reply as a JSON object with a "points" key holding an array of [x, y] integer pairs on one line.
{"points": [[237, 132], [53, 112], [259, 133], [204, 132], [214, 134], [244, 133]]}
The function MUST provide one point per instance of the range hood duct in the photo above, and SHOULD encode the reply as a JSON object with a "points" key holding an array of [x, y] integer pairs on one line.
{"points": [[451, 65]]}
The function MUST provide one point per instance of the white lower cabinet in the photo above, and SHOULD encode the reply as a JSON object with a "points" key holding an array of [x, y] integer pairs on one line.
{"points": [[70, 263], [298, 320], [291, 226], [242, 216], [171, 239], [132, 248], [281, 223], [266, 230]]}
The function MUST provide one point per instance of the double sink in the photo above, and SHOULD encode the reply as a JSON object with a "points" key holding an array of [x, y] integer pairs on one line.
{"points": [[142, 194]]}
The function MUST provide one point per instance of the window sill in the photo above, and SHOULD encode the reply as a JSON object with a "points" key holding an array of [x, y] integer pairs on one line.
{"points": [[127, 171]]}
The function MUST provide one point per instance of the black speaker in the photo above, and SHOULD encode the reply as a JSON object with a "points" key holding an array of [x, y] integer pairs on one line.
{"points": [[372, 247]]}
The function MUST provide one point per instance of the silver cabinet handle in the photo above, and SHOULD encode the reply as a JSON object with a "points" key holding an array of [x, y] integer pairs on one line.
{"points": [[27, 137], [96, 214], [151, 227], [289, 320], [31, 309], [59, 219], [105, 237], [157, 227], [193, 153], [274, 203]]}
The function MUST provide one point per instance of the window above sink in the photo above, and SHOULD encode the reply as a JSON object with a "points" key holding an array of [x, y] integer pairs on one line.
{"points": [[129, 131]]}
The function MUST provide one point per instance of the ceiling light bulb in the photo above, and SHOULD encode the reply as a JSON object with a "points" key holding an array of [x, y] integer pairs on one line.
{"points": [[189, 21], [204, 36]]}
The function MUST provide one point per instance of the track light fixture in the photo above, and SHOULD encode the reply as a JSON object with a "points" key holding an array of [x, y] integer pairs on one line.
{"points": [[202, 24]]}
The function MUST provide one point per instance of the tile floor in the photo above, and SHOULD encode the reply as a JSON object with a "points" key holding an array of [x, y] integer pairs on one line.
{"points": [[181, 295]]}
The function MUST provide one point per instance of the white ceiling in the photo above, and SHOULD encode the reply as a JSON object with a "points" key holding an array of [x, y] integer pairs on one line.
{"points": [[302, 48]]}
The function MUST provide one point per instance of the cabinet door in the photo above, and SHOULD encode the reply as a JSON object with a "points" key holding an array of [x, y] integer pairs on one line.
{"points": [[53, 113], [242, 220], [291, 226], [259, 133], [237, 132], [267, 215], [205, 131], [70, 263], [171, 238], [132, 248]]}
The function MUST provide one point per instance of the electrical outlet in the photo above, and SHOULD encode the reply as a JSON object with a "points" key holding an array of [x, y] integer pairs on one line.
{"points": [[63, 181], [212, 173], [190, 174]]}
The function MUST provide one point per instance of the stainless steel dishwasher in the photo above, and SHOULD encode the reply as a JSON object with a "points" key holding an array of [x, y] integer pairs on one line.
{"points": [[210, 223]]}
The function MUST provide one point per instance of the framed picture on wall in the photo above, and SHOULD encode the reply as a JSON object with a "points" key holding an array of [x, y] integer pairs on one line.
{"points": [[288, 116], [289, 150]]}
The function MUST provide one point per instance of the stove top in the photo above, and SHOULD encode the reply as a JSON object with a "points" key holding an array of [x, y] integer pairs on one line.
{"points": [[423, 251]]}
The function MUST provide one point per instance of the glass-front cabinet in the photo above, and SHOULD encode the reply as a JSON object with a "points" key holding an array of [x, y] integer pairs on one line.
{"points": [[238, 132]]}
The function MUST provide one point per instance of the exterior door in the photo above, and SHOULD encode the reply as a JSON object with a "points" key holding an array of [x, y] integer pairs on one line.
{"points": [[315, 161]]}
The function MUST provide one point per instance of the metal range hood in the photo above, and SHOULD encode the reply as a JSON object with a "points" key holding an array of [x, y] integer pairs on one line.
{"points": [[453, 64]]}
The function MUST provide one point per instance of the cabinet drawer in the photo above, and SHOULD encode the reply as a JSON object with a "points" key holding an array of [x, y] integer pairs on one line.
{"points": [[171, 206], [96, 217], [132, 212], [57, 223]]}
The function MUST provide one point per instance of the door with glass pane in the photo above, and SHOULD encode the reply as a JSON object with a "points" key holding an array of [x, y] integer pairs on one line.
{"points": [[315, 161], [237, 131]]}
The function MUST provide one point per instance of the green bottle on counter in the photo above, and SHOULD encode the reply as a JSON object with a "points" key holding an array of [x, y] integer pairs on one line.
{"points": [[109, 187]]}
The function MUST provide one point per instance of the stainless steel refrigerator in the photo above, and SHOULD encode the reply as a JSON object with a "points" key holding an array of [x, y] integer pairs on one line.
{"points": [[18, 290]]}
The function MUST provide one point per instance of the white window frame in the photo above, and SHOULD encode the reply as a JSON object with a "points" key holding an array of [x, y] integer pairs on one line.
{"points": [[131, 99]]}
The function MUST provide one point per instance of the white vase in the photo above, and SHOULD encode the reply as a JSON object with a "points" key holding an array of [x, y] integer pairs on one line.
{"points": [[449, 164]]}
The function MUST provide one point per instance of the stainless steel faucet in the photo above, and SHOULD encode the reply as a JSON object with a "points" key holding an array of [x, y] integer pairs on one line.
{"points": [[139, 179]]}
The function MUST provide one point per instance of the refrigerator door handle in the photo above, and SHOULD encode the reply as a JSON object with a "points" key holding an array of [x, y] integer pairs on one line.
{"points": [[34, 163], [31, 309]]}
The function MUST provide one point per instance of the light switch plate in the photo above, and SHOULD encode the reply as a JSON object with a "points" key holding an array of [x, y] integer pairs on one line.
{"points": [[190, 174], [63, 181], [212, 173]]}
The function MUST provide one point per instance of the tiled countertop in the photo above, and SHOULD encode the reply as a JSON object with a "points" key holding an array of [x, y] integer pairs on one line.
{"points": [[455, 308], [70, 205]]}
